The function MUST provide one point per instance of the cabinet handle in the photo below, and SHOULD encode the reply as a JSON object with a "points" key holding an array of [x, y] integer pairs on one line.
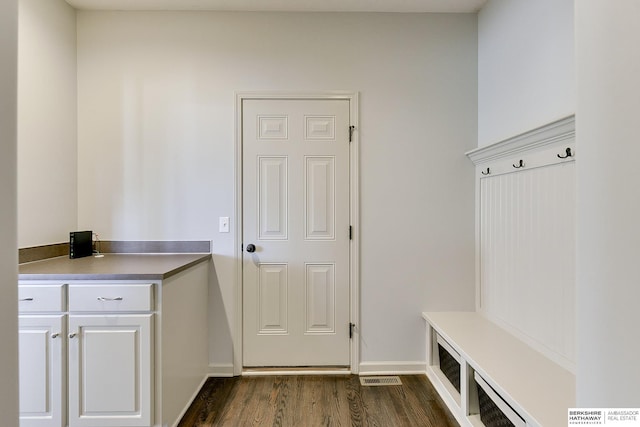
{"points": [[56, 335], [26, 299], [73, 335], [110, 299]]}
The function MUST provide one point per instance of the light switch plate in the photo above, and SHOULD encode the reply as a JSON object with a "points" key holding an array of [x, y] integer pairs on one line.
{"points": [[224, 224]]}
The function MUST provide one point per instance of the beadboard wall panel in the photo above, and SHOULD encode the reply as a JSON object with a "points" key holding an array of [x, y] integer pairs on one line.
{"points": [[527, 254], [525, 237]]}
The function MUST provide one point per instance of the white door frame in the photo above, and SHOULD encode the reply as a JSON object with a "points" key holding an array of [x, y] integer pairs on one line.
{"points": [[354, 205]]}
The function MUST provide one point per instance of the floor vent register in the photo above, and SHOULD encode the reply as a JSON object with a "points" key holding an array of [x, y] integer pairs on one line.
{"points": [[385, 380]]}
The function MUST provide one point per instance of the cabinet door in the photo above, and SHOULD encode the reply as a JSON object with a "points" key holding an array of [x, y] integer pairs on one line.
{"points": [[110, 370], [42, 371]]}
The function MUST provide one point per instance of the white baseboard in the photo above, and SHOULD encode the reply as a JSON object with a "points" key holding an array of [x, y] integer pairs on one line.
{"points": [[365, 368], [193, 397], [268, 372], [221, 370], [393, 368]]}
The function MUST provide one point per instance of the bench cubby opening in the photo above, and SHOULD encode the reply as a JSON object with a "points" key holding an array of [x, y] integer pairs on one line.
{"points": [[494, 411], [488, 377], [449, 362]]}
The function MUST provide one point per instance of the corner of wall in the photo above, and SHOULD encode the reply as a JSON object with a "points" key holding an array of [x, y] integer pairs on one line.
{"points": [[47, 122], [8, 219]]}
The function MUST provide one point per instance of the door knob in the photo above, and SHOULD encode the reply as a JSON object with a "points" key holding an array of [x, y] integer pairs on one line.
{"points": [[251, 247]]}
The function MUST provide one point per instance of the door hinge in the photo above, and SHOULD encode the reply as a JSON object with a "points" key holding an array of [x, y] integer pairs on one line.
{"points": [[350, 232], [351, 129], [351, 326]]}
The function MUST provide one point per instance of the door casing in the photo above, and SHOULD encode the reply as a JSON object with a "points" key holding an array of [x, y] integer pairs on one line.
{"points": [[354, 251]]}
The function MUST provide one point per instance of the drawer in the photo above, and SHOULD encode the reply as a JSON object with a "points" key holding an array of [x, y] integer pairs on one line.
{"points": [[40, 298], [110, 298]]}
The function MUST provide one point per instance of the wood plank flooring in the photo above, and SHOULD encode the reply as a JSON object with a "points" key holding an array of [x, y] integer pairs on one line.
{"points": [[309, 401]]}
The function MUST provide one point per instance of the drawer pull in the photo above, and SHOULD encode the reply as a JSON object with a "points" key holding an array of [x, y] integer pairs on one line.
{"points": [[26, 299], [110, 299], [73, 335], [56, 335]]}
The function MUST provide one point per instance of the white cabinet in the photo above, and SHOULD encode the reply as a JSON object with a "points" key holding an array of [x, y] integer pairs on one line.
{"points": [[113, 353], [110, 354], [110, 370], [42, 371], [42, 348], [91, 363]]}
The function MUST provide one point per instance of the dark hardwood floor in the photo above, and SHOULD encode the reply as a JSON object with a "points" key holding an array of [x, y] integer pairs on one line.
{"points": [[308, 400]]}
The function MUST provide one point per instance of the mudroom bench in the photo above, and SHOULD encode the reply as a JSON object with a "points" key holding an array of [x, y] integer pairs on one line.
{"points": [[486, 375]]}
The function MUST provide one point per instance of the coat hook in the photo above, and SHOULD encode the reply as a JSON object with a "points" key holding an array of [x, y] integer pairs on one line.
{"points": [[487, 172], [520, 164], [569, 154]]}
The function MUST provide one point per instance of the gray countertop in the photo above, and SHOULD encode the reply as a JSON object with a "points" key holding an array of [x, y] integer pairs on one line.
{"points": [[111, 267]]}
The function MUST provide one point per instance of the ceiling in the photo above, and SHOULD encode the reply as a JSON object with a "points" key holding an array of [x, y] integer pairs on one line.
{"points": [[403, 6]]}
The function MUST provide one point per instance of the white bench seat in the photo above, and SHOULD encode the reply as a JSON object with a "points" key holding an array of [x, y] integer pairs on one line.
{"points": [[539, 390]]}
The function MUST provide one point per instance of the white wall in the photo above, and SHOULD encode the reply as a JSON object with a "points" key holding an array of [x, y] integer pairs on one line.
{"points": [[47, 99], [525, 66], [525, 87], [156, 143], [608, 203], [8, 239]]}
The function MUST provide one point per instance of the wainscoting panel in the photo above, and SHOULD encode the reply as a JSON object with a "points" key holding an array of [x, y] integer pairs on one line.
{"points": [[526, 238]]}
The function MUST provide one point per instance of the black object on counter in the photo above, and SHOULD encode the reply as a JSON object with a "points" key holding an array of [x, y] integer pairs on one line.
{"points": [[80, 244]]}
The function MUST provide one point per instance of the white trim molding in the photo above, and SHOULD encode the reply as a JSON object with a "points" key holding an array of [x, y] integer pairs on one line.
{"points": [[271, 372], [354, 197], [190, 401], [221, 370], [393, 368], [550, 134], [551, 144]]}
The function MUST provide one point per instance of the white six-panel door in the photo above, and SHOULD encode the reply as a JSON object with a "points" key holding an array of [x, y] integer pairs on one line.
{"points": [[296, 214]]}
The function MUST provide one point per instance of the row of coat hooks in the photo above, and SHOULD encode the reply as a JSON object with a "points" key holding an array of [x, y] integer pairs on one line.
{"points": [[567, 153]]}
